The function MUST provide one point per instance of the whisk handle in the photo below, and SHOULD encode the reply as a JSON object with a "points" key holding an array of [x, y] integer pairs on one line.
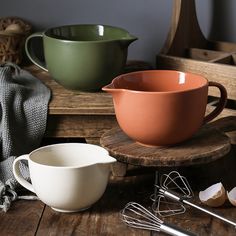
{"points": [[173, 230]]}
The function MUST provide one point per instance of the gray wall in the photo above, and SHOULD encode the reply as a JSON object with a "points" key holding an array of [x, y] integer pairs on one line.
{"points": [[149, 20], [223, 25]]}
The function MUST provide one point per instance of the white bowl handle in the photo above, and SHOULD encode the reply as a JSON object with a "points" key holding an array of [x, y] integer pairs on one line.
{"points": [[18, 175]]}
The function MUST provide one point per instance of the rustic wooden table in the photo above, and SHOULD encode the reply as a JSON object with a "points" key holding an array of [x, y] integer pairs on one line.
{"points": [[88, 116], [34, 218]]}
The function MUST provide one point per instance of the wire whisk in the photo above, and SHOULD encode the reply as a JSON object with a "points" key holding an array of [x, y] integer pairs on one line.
{"points": [[137, 216], [174, 188]]}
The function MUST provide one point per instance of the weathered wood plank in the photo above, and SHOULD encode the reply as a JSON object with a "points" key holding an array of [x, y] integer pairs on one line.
{"points": [[22, 218], [84, 126], [226, 112], [223, 46], [95, 140], [104, 217], [205, 55]]}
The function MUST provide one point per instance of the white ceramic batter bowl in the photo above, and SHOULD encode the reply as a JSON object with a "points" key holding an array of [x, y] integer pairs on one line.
{"points": [[68, 177]]}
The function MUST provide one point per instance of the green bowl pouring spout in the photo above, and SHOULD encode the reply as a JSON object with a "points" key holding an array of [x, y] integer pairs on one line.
{"points": [[81, 57]]}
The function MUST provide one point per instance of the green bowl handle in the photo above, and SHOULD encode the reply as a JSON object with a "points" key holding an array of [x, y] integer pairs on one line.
{"points": [[30, 51]]}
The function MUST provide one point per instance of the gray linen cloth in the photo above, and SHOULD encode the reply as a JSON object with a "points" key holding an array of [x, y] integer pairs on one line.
{"points": [[24, 107]]}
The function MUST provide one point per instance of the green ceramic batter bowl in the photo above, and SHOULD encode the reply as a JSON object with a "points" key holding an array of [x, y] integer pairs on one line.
{"points": [[81, 57]]}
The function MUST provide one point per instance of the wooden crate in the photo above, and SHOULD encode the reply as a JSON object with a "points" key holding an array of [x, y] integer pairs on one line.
{"points": [[186, 49]]}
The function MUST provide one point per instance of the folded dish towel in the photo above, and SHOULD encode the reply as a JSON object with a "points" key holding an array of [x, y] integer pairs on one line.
{"points": [[24, 107]]}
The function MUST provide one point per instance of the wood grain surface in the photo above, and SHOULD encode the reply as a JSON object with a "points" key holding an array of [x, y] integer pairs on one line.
{"points": [[194, 151], [103, 218], [22, 218], [84, 126]]}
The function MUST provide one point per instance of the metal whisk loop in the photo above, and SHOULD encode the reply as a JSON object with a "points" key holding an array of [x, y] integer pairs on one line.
{"points": [[137, 216], [165, 208], [176, 182]]}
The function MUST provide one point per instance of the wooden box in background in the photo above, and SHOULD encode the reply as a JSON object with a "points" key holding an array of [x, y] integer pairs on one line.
{"points": [[186, 49]]}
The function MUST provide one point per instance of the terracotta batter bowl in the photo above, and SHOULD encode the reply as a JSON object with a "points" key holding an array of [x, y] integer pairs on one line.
{"points": [[162, 107]]}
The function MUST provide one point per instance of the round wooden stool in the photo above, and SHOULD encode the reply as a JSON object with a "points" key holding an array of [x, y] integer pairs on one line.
{"points": [[207, 145]]}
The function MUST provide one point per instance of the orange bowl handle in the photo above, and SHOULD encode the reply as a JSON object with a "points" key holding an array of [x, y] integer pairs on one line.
{"points": [[222, 102]]}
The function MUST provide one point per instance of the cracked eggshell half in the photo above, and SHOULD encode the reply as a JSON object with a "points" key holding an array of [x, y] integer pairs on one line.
{"points": [[213, 196], [232, 196]]}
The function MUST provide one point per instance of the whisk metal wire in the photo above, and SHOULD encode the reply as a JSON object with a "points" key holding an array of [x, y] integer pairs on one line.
{"points": [[173, 181], [164, 207], [137, 216], [182, 192]]}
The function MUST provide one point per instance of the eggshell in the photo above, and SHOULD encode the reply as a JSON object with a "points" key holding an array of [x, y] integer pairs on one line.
{"points": [[213, 196], [232, 196]]}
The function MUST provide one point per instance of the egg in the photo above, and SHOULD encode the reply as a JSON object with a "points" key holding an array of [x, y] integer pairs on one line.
{"points": [[232, 196], [213, 196], [14, 28]]}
